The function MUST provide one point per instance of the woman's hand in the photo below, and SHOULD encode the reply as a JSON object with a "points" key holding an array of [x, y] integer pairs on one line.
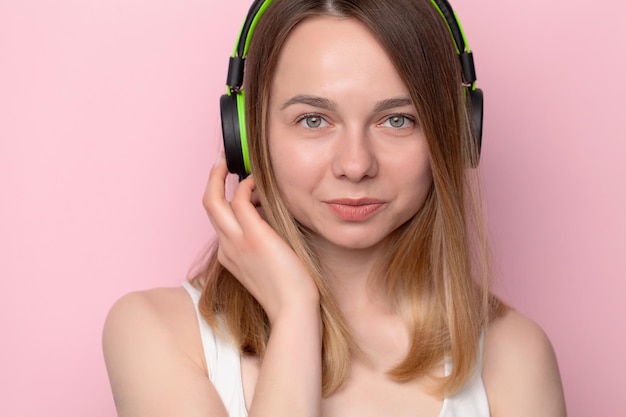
{"points": [[253, 252], [289, 380]]}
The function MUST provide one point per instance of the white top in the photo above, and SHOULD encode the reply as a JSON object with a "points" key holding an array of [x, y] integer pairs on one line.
{"points": [[224, 366]]}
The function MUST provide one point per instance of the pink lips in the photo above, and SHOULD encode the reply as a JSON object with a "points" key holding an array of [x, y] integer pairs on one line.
{"points": [[354, 210]]}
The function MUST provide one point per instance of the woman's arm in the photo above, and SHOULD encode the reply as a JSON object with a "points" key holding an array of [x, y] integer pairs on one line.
{"points": [[289, 382], [153, 354], [147, 353], [520, 370]]}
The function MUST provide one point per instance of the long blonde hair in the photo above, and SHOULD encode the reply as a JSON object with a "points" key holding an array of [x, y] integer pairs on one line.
{"points": [[436, 269]]}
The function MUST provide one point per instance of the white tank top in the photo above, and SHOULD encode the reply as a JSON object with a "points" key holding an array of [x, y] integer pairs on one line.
{"points": [[224, 366]]}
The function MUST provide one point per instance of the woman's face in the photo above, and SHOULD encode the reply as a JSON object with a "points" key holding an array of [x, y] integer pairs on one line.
{"points": [[349, 155]]}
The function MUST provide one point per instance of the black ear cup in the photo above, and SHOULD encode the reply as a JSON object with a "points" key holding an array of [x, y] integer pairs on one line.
{"points": [[231, 132], [477, 100], [232, 105]]}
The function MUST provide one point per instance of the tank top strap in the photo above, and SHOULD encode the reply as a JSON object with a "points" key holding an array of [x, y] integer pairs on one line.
{"points": [[223, 361], [471, 400]]}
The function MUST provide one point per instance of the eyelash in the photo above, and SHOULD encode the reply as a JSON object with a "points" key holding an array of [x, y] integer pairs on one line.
{"points": [[407, 118], [303, 117]]}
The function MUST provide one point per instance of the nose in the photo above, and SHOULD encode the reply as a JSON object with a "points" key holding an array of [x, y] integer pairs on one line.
{"points": [[354, 157]]}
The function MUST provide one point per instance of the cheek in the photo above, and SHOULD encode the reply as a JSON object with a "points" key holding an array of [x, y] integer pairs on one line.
{"points": [[296, 163], [293, 172], [277, 152], [280, 165], [420, 183]]}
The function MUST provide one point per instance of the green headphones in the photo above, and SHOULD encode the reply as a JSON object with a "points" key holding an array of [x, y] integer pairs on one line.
{"points": [[232, 104]]}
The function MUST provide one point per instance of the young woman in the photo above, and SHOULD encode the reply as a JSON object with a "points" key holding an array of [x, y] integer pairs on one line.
{"points": [[349, 274]]}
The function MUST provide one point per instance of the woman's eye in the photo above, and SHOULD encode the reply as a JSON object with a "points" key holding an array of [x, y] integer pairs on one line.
{"points": [[398, 121], [312, 121]]}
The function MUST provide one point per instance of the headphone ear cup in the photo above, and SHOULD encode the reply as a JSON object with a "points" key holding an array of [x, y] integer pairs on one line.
{"points": [[232, 126], [477, 100]]}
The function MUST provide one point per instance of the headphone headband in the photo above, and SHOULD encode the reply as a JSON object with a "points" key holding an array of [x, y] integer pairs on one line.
{"points": [[234, 79], [460, 42]]}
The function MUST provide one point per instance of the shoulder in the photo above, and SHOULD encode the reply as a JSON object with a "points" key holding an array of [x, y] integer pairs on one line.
{"points": [[154, 357], [520, 370], [156, 303], [165, 313]]}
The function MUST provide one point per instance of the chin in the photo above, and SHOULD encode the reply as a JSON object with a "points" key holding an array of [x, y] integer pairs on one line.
{"points": [[353, 241]]}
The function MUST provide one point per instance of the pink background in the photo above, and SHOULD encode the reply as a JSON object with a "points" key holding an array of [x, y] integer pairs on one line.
{"points": [[109, 123]]}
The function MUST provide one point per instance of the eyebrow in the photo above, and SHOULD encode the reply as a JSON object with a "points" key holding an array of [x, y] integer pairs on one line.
{"points": [[392, 103], [324, 103], [319, 102]]}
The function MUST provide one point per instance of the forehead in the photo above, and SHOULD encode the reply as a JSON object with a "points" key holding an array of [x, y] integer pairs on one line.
{"points": [[329, 55]]}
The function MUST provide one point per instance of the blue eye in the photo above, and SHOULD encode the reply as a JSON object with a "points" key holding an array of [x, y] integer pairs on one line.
{"points": [[398, 121], [311, 121]]}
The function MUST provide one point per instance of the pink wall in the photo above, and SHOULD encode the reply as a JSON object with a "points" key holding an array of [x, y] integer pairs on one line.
{"points": [[109, 122]]}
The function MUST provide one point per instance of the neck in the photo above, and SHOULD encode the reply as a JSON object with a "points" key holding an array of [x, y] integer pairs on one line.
{"points": [[350, 274]]}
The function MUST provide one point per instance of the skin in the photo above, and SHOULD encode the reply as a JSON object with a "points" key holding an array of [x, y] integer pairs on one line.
{"points": [[348, 143]]}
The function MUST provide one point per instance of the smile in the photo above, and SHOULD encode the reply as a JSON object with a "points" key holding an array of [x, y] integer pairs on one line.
{"points": [[354, 210]]}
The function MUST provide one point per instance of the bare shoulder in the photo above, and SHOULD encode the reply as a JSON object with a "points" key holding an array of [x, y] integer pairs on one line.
{"points": [[520, 369], [164, 308], [154, 357]]}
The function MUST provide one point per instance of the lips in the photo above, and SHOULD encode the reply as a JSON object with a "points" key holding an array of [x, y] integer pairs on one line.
{"points": [[354, 210]]}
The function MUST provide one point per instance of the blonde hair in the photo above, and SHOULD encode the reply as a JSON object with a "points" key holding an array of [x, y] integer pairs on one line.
{"points": [[436, 268]]}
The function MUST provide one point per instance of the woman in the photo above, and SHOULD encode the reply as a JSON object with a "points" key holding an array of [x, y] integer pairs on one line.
{"points": [[349, 277]]}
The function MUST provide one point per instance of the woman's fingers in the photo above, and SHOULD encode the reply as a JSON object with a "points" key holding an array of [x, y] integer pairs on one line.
{"points": [[237, 223], [245, 208], [215, 190], [250, 249], [214, 200]]}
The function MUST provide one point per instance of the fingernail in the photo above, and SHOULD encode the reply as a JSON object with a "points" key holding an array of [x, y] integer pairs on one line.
{"points": [[219, 158]]}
